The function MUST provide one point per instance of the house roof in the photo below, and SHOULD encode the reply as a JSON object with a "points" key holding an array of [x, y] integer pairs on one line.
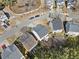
{"points": [[28, 41], [11, 52], [73, 27], [56, 24], [41, 30], [59, 1], [70, 1], [2, 16]]}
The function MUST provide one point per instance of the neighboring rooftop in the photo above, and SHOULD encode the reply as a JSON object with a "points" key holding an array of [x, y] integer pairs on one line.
{"points": [[40, 31], [60, 1], [72, 4], [3, 17], [11, 52], [72, 28], [56, 24], [28, 41]]}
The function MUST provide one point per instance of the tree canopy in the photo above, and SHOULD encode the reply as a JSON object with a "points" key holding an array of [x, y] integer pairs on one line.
{"points": [[69, 51]]}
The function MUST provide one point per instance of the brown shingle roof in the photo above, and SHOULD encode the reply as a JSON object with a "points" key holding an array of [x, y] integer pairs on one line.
{"points": [[28, 41]]}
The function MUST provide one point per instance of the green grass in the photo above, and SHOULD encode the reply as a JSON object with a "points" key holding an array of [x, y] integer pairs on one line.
{"points": [[69, 51]]}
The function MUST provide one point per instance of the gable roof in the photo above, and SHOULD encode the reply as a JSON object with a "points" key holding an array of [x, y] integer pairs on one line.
{"points": [[68, 1], [56, 24], [72, 27], [71, 1], [2, 16], [60, 1], [41, 30], [11, 52], [28, 41]]}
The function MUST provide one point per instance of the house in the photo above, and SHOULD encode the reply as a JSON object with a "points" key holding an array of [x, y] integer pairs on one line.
{"points": [[3, 17], [3, 20], [71, 3], [28, 41], [72, 28], [60, 2], [49, 3], [41, 32], [56, 25], [12, 52]]}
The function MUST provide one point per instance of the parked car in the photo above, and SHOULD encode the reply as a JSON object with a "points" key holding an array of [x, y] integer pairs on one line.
{"points": [[37, 15], [31, 18]]}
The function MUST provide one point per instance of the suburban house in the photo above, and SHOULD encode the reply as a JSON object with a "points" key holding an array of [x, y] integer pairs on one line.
{"points": [[60, 2], [56, 25], [41, 32], [72, 28], [12, 52], [28, 41], [3, 19], [71, 3]]}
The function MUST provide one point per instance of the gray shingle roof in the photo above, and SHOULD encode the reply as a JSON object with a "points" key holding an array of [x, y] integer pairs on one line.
{"points": [[11, 52], [28, 41], [56, 24], [73, 27], [70, 1], [41, 30], [59, 1]]}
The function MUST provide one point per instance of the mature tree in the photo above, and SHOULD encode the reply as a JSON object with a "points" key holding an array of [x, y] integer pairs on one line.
{"points": [[69, 51]]}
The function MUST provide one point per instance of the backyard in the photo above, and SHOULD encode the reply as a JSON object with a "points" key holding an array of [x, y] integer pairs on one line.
{"points": [[70, 50]]}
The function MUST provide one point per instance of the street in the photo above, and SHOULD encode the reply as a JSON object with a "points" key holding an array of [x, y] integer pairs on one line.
{"points": [[18, 27]]}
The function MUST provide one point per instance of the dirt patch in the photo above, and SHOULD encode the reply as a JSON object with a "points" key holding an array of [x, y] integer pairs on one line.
{"points": [[22, 6]]}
